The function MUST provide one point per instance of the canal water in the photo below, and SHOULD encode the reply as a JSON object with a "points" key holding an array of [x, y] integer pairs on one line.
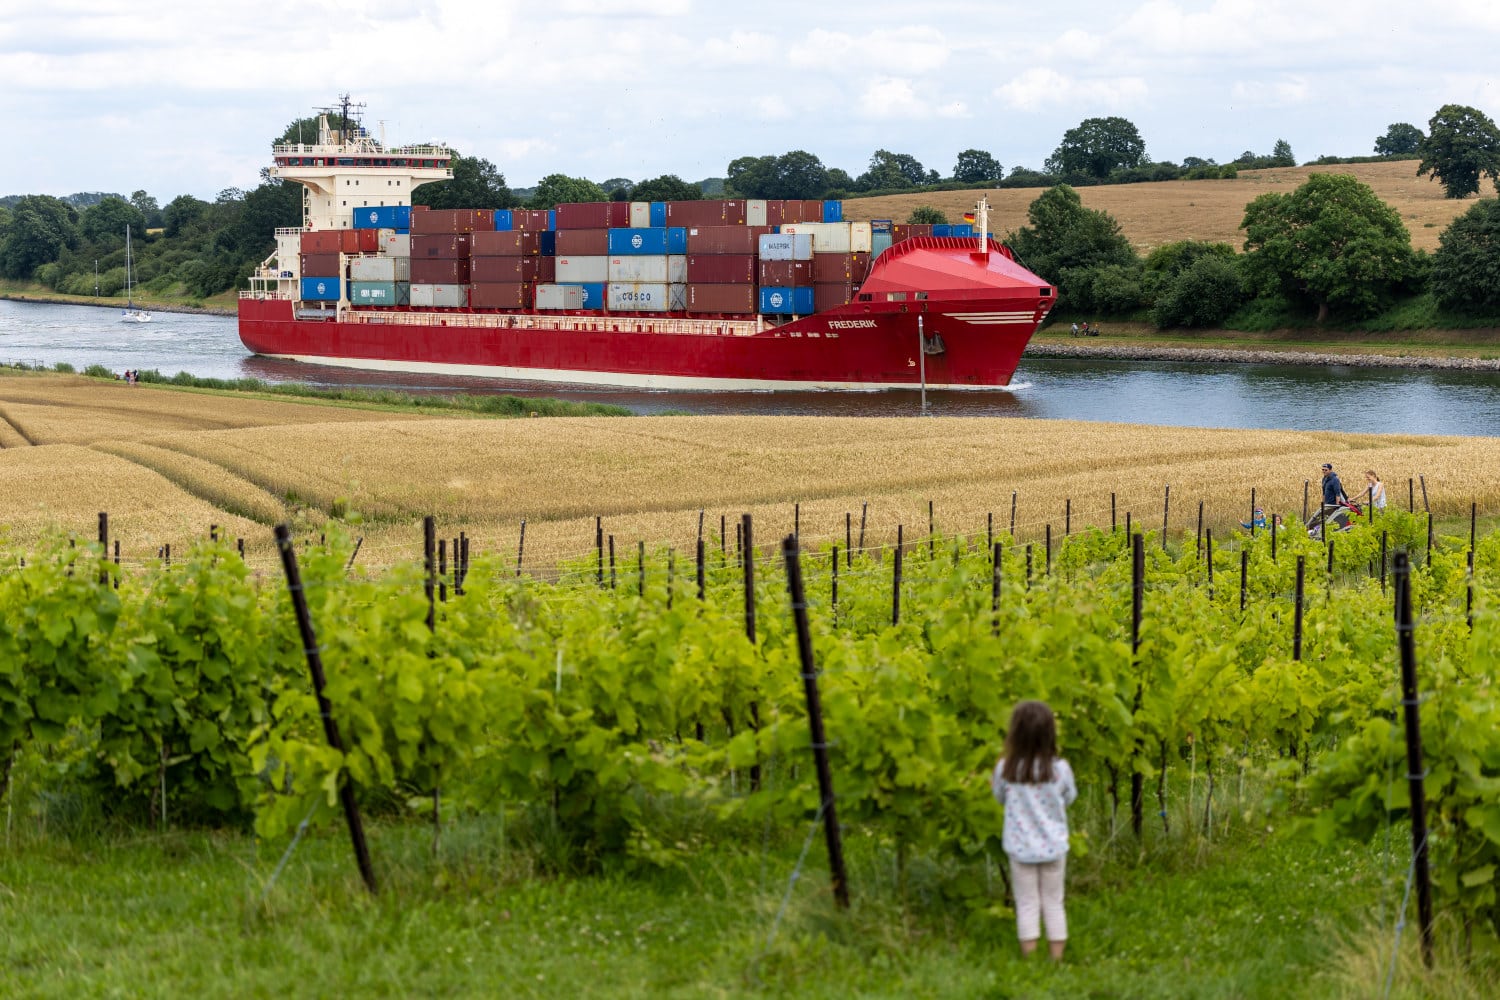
{"points": [[1375, 400]]}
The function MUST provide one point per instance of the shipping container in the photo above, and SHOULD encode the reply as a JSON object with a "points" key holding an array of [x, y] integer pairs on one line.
{"points": [[440, 270], [505, 243], [359, 240], [879, 243], [828, 237], [539, 219], [388, 269], [638, 269], [509, 270], [705, 213], [583, 270], [500, 295], [594, 215], [721, 298], [320, 265], [379, 293], [721, 269], [775, 212], [439, 296], [786, 246], [962, 229], [441, 246], [812, 210], [827, 267], [629, 296], [395, 245], [640, 215], [453, 220], [323, 241], [648, 242], [755, 211], [833, 211], [382, 217], [725, 239], [942, 229], [785, 273], [582, 243], [320, 289], [786, 301], [593, 293], [559, 296], [658, 214], [832, 295], [504, 220]]}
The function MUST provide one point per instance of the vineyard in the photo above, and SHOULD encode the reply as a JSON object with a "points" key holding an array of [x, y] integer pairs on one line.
{"points": [[639, 686]]}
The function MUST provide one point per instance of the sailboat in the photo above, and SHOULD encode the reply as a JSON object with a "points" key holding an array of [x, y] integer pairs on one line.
{"points": [[130, 314]]}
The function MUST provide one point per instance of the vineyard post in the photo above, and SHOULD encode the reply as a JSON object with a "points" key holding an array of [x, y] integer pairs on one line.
{"points": [[989, 530], [1406, 638], [330, 727], [1012, 515], [1473, 522], [700, 569], [815, 723], [1067, 517], [1383, 559], [103, 547], [833, 600], [1330, 562], [1166, 503], [995, 555], [848, 539], [1297, 612], [442, 571], [1411, 495], [931, 533], [1112, 521], [612, 579], [1305, 484], [1047, 545], [167, 552], [739, 542], [700, 523], [1028, 565], [213, 532], [599, 548], [521, 548], [671, 574], [117, 563], [1210, 552], [1244, 577], [747, 552], [1428, 511], [1137, 601], [723, 541], [1273, 535], [463, 577], [1370, 504], [429, 568], [640, 567], [1252, 512], [864, 511], [896, 580], [239, 545], [352, 556], [1198, 544], [1469, 593]]}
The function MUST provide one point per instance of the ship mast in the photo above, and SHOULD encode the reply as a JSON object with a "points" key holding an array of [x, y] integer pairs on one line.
{"points": [[983, 211]]}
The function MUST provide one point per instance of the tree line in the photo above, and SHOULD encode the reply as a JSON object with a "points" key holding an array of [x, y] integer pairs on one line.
{"points": [[194, 248]]}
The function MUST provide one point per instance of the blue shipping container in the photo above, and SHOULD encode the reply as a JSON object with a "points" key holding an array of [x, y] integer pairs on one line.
{"points": [[547, 243], [648, 242], [552, 218], [322, 289], [593, 294], [504, 220], [786, 301], [833, 211], [658, 214], [961, 229], [382, 217], [942, 229]]}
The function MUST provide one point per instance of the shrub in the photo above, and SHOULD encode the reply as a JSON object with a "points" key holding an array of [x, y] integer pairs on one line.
{"points": [[64, 367], [1202, 295], [1464, 268], [98, 371]]}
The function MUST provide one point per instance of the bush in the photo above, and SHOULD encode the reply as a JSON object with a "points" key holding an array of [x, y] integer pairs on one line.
{"points": [[1202, 295], [926, 215], [98, 371], [1115, 289], [1463, 270], [64, 367]]}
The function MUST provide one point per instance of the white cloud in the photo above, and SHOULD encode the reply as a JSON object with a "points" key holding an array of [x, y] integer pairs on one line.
{"points": [[1039, 88], [1271, 93]]}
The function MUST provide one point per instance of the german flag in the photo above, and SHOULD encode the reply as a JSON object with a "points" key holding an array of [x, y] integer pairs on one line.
{"points": [[969, 217]]}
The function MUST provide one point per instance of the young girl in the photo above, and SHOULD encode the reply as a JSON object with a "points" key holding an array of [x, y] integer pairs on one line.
{"points": [[1377, 489], [1036, 787]]}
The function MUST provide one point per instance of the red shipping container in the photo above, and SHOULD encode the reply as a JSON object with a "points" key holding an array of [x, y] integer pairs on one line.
{"points": [[359, 240], [594, 215], [736, 299], [320, 265], [775, 212], [531, 219], [500, 295], [828, 267], [721, 269], [515, 243], [529, 270], [583, 242], [720, 239], [439, 246], [453, 220], [785, 273], [831, 295], [706, 213], [323, 241], [439, 271]]}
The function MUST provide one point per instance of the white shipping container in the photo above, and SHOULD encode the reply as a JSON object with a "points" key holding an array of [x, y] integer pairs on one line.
{"points": [[638, 269], [677, 269], [828, 237], [582, 270], [786, 246], [395, 245], [640, 215], [646, 297], [440, 296], [755, 212], [559, 297], [861, 238], [380, 269]]}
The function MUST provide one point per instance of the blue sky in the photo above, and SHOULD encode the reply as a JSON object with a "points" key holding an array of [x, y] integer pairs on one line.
{"points": [[179, 97]]}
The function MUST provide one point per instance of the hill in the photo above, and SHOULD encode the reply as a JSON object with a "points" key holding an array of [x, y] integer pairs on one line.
{"points": [[1159, 212]]}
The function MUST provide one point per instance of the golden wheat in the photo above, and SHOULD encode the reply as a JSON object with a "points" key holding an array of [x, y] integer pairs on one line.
{"points": [[210, 482]]}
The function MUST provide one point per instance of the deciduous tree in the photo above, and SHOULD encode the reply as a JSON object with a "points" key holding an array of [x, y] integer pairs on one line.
{"points": [[104, 224], [975, 166], [41, 227], [667, 187], [1067, 244], [1401, 139], [1097, 146], [926, 215], [476, 183], [556, 189], [892, 170], [1465, 275], [1462, 145]]}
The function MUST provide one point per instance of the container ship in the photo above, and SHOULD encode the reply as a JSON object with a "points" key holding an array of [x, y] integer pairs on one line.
{"points": [[738, 294]]}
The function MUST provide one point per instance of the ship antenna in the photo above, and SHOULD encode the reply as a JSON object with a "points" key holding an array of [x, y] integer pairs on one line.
{"points": [[984, 223]]}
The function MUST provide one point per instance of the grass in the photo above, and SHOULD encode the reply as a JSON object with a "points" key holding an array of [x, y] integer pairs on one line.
{"points": [[224, 303], [1258, 913]]}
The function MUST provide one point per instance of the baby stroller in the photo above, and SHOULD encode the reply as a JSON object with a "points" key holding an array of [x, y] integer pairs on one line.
{"points": [[1335, 517]]}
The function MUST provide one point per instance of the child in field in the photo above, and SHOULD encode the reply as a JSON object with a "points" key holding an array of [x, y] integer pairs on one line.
{"points": [[1036, 787]]}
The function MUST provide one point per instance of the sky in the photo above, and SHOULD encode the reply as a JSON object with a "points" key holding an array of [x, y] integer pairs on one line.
{"points": [[184, 98]]}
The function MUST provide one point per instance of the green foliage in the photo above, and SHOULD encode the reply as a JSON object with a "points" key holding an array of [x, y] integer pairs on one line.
{"points": [[104, 224], [667, 187], [797, 174], [1193, 283], [1098, 146], [1462, 145], [1331, 242], [926, 215], [99, 371], [892, 170], [41, 228], [476, 183], [1467, 262], [1401, 139], [555, 189], [975, 166], [1067, 243]]}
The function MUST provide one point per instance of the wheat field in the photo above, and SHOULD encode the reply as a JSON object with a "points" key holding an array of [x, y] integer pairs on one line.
{"points": [[165, 480], [1157, 213]]}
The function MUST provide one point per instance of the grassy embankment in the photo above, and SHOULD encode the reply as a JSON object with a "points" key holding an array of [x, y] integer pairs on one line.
{"points": [[167, 464], [225, 303]]}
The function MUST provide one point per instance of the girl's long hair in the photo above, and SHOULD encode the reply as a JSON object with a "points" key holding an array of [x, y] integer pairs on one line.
{"points": [[1371, 474], [1030, 744]]}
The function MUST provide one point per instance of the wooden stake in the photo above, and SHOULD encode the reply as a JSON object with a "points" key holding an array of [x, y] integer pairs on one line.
{"points": [[1415, 772]]}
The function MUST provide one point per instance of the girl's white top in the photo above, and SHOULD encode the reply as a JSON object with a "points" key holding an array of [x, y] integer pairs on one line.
{"points": [[1036, 815], [1379, 492]]}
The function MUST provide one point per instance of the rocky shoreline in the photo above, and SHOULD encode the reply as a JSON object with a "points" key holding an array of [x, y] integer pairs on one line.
{"points": [[1252, 356], [116, 304]]}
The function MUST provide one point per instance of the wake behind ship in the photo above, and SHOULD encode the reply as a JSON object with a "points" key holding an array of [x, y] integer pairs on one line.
{"points": [[713, 294]]}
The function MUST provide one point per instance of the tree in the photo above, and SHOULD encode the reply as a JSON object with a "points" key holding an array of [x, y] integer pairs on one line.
{"points": [[975, 166], [892, 170], [800, 174], [302, 130], [147, 206], [1067, 243], [476, 183], [104, 224], [1331, 243], [1168, 261], [1400, 140], [41, 228], [1196, 284], [1281, 154], [839, 180], [1462, 144], [751, 176], [558, 189], [180, 213], [926, 215], [667, 187], [1098, 146], [1465, 274], [617, 184]]}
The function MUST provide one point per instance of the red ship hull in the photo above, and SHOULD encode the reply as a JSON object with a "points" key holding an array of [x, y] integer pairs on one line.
{"points": [[974, 312]]}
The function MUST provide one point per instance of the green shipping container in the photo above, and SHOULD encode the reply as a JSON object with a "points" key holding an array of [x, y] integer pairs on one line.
{"points": [[380, 293]]}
